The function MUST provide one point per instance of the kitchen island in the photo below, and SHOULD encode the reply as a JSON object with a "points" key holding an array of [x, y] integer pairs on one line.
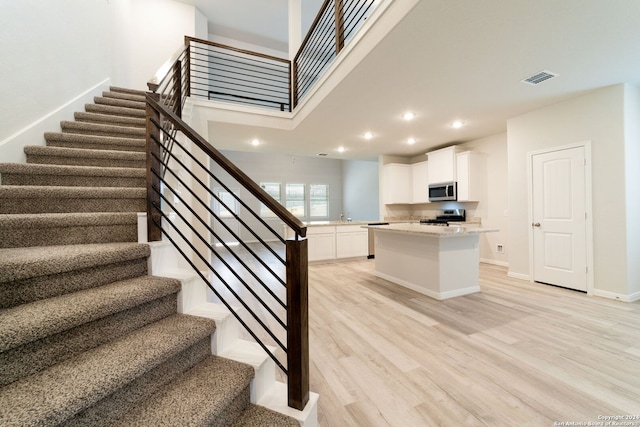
{"points": [[440, 262]]}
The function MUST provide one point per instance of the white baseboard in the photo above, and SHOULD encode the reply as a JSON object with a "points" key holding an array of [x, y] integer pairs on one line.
{"points": [[12, 147], [494, 262], [619, 297], [519, 276], [428, 292]]}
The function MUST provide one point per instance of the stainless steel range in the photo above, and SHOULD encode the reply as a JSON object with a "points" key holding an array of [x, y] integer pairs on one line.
{"points": [[445, 217]]}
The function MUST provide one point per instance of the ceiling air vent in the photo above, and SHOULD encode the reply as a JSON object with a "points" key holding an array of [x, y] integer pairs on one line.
{"points": [[539, 77], [322, 154]]}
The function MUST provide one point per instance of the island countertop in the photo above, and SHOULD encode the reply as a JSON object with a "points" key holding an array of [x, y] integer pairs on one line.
{"points": [[432, 230]]}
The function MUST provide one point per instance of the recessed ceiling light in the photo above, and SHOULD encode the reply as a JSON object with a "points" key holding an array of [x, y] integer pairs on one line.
{"points": [[255, 142], [368, 135], [457, 124], [341, 149], [408, 116], [411, 141]]}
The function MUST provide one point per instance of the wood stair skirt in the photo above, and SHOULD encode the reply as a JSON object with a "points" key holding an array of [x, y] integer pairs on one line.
{"points": [[87, 337]]}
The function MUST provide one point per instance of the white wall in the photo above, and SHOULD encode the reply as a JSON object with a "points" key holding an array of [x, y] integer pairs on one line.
{"points": [[55, 54], [158, 30], [632, 186], [493, 208], [599, 117], [360, 190], [58, 54]]}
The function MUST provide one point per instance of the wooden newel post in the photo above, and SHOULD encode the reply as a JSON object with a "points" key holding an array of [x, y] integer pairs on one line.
{"points": [[297, 323], [154, 233]]}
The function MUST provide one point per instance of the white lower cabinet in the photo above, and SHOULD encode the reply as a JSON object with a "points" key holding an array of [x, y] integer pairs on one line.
{"points": [[335, 242], [321, 243], [351, 241]]}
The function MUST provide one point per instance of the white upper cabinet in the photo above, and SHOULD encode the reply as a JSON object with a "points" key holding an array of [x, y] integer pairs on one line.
{"points": [[420, 172], [471, 176], [398, 187], [442, 165]]}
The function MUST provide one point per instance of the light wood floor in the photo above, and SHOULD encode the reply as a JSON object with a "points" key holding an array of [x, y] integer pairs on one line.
{"points": [[516, 354]]}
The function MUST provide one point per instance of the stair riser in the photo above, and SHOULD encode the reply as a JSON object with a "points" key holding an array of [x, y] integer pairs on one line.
{"points": [[139, 148], [22, 238], [114, 110], [233, 410], [58, 205], [120, 103], [99, 130], [118, 89], [85, 161], [41, 287], [38, 355], [73, 180], [126, 96], [103, 119], [106, 412]]}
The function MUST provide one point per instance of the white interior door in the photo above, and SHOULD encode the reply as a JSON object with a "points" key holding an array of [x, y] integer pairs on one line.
{"points": [[559, 218]]}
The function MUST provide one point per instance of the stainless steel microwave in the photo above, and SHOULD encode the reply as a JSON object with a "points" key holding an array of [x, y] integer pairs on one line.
{"points": [[443, 191]]}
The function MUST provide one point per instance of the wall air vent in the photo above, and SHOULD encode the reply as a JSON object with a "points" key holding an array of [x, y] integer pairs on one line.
{"points": [[539, 77], [322, 154]]}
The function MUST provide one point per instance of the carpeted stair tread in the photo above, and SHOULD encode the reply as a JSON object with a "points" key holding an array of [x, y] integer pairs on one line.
{"points": [[51, 396], [120, 103], [42, 199], [24, 263], [259, 416], [70, 175], [37, 355], [109, 119], [124, 95], [87, 128], [115, 110], [30, 322], [24, 291], [110, 409], [51, 220], [212, 386], [127, 90], [47, 229], [96, 142], [84, 157]]}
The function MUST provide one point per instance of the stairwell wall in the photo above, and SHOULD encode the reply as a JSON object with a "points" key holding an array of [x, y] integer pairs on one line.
{"points": [[59, 54], [53, 53]]}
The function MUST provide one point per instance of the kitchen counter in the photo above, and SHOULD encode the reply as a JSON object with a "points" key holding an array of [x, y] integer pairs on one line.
{"points": [[333, 223], [437, 261], [432, 230]]}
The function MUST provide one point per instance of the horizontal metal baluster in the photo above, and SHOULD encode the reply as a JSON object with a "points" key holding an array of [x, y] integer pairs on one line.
{"points": [[228, 208], [205, 280], [223, 185], [229, 288], [211, 231]]}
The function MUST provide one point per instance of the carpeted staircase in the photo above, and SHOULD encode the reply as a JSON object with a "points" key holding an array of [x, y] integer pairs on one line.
{"points": [[86, 336]]}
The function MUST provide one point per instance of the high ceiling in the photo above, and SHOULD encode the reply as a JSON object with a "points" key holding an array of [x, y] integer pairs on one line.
{"points": [[453, 60]]}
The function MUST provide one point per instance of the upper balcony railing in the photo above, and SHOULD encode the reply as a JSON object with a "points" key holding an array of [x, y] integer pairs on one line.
{"points": [[224, 73], [333, 28]]}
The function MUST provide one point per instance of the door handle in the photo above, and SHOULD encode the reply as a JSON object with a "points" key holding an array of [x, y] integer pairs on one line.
{"points": [[535, 224]]}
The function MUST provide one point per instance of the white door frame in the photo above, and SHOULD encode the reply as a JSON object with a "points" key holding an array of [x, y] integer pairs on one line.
{"points": [[589, 206]]}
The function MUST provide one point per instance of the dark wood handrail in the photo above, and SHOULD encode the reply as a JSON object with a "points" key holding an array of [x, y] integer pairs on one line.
{"points": [[287, 217], [187, 39]]}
